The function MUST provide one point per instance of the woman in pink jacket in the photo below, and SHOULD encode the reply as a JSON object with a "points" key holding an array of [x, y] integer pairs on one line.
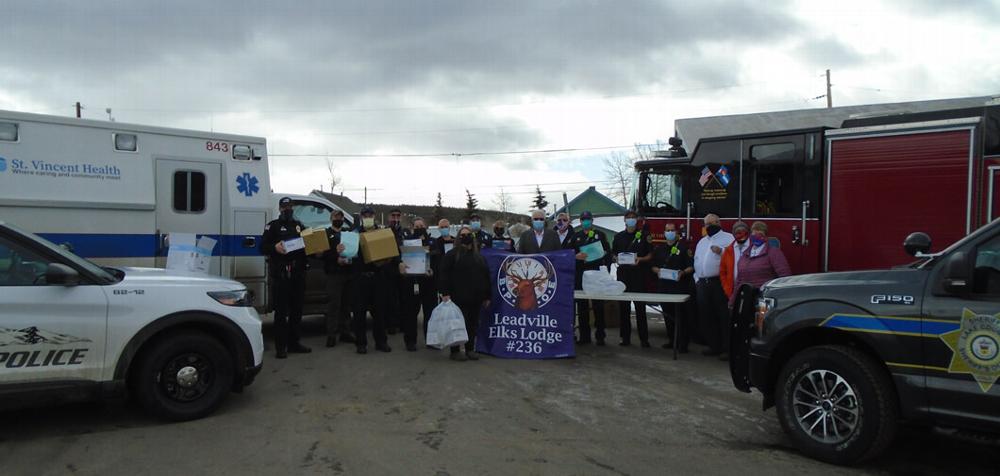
{"points": [[760, 262]]}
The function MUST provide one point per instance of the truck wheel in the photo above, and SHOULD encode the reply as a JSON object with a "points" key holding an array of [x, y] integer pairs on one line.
{"points": [[183, 376], [837, 404]]}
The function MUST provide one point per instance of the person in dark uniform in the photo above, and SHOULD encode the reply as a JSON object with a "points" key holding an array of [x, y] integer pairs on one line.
{"points": [[396, 289], [338, 277], [673, 256], [484, 239], [585, 236], [288, 279], [501, 239], [632, 240], [421, 292], [371, 284]]}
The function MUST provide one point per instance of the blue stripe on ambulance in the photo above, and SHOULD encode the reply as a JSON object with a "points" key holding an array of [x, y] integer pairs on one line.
{"points": [[112, 245]]}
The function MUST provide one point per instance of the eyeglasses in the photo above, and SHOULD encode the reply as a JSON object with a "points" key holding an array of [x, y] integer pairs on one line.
{"points": [[562, 221]]}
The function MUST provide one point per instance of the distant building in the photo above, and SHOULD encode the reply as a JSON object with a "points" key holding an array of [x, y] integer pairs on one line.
{"points": [[608, 214], [453, 214]]}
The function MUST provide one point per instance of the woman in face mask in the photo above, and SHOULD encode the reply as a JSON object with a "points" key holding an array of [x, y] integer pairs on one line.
{"points": [[760, 262], [672, 268], [464, 278]]}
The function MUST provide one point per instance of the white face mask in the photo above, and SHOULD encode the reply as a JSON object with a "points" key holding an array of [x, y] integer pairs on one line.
{"points": [[368, 222]]}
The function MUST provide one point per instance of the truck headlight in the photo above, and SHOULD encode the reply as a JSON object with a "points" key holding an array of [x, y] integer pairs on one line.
{"points": [[241, 298], [764, 306]]}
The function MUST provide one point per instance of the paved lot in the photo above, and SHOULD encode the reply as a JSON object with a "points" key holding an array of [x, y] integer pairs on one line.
{"points": [[610, 411]]}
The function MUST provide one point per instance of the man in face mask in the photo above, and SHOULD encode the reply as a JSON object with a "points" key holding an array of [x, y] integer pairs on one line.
{"points": [[338, 278], [396, 291], [419, 290], [564, 230], [588, 235], [484, 239], [713, 307], [370, 292], [672, 268], [540, 239], [631, 250], [288, 278]]}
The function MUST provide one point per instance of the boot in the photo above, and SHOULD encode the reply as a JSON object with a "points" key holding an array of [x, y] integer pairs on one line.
{"points": [[298, 348], [331, 341]]}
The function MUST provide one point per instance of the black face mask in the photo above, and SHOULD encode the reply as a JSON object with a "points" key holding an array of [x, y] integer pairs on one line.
{"points": [[286, 214], [466, 239], [498, 232], [337, 224], [419, 231], [713, 229]]}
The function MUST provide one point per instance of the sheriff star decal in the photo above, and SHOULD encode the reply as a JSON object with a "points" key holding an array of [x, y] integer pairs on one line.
{"points": [[976, 347]]}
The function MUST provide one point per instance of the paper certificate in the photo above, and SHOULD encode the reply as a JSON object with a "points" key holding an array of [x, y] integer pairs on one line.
{"points": [[350, 241], [294, 244], [626, 258], [413, 242], [415, 259], [595, 251], [448, 247], [670, 274]]}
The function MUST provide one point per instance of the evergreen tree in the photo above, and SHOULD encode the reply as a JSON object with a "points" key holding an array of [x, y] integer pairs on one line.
{"points": [[470, 204], [540, 201], [438, 211]]}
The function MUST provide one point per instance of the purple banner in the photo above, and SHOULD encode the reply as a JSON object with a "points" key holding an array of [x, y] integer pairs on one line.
{"points": [[531, 313]]}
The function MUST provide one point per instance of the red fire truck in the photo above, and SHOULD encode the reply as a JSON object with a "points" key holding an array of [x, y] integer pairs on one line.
{"points": [[836, 198]]}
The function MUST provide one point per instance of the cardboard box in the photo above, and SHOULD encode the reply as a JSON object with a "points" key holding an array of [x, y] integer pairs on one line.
{"points": [[378, 245], [316, 240]]}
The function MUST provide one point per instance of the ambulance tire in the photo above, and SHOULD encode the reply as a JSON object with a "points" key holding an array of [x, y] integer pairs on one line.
{"points": [[184, 375], [831, 384]]}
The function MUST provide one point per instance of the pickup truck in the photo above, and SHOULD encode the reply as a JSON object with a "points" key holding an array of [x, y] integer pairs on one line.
{"points": [[844, 357]]}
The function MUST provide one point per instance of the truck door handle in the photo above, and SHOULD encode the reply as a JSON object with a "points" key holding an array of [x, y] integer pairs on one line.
{"points": [[249, 241], [805, 206]]}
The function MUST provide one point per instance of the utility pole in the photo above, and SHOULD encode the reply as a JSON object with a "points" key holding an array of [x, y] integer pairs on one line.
{"points": [[78, 107], [829, 94], [366, 195]]}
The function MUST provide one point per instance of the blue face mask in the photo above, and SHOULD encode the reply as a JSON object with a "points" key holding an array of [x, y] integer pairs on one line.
{"points": [[445, 232], [630, 222], [538, 224], [587, 223], [756, 240], [475, 225], [670, 235]]}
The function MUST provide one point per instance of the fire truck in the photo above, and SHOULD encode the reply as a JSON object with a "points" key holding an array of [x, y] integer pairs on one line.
{"points": [[840, 189]]}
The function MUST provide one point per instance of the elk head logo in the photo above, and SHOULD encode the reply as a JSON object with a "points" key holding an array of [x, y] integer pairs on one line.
{"points": [[527, 283]]}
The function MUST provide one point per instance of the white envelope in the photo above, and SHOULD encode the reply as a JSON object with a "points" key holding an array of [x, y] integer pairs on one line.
{"points": [[414, 242], [294, 244], [626, 258], [670, 274]]}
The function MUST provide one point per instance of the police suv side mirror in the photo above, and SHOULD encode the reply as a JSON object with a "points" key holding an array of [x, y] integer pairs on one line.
{"points": [[917, 242], [61, 274], [956, 272]]}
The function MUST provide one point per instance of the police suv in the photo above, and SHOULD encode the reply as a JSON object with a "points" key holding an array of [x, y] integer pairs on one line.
{"points": [[72, 330], [845, 356]]}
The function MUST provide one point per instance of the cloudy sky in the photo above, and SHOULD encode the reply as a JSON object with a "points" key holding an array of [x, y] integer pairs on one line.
{"points": [[385, 80]]}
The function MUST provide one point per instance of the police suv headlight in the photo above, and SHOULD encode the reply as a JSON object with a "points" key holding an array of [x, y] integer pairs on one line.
{"points": [[241, 298], [764, 306]]}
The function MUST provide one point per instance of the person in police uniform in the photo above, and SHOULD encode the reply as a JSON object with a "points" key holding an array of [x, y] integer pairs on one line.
{"points": [[288, 279], [338, 277], [420, 291], [371, 291], [633, 240], [484, 239], [396, 290], [673, 255], [583, 237]]}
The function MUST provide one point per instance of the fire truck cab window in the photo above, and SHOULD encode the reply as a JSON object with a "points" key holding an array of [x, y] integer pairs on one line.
{"points": [[662, 192], [773, 172]]}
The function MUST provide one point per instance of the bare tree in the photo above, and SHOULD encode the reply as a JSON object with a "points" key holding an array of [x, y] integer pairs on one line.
{"points": [[618, 168], [504, 202], [334, 176]]}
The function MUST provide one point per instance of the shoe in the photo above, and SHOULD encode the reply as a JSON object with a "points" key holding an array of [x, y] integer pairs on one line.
{"points": [[362, 349], [383, 347], [281, 354], [724, 357], [458, 357], [297, 348], [710, 353], [471, 355], [668, 345], [645, 345], [624, 343], [347, 337], [411, 347], [600, 342], [331, 341]]}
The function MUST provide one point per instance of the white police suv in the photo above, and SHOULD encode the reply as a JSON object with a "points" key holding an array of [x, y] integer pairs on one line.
{"points": [[71, 330]]}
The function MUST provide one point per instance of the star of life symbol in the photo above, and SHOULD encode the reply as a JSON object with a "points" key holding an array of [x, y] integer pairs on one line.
{"points": [[247, 184], [976, 348]]}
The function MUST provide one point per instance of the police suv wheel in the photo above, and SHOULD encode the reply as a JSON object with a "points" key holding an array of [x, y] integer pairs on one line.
{"points": [[183, 376], [837, 404]]}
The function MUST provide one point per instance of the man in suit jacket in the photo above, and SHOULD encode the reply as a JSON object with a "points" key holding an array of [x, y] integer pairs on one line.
{"points": [[564, 231], [540, 239]]}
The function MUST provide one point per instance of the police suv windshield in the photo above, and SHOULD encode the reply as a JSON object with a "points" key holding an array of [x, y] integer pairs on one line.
{"points": [[102, 275]]}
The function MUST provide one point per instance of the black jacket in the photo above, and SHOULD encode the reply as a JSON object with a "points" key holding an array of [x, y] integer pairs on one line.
{"points": [[331, 264], [464, 276], [280, 230]]}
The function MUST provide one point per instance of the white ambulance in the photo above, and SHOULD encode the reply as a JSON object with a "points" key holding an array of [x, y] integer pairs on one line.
{"points": [[112, 192]]}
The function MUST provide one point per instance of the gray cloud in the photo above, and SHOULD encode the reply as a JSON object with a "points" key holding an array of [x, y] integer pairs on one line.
{"points": [[828, 52]]}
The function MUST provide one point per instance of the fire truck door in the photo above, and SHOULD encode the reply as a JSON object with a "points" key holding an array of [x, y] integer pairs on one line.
{"points": [[993, 200]]}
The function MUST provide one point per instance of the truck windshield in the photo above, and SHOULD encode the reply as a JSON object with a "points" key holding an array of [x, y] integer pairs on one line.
{"points": [[661, 192]]}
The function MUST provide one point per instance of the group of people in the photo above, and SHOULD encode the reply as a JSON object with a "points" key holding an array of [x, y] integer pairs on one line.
{"points": [[458, 272]]}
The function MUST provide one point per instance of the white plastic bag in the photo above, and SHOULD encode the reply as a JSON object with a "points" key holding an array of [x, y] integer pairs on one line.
{"points": [[446, 327], [600, 282]]}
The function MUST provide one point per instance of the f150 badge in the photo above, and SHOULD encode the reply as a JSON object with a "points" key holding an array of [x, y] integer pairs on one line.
{"points": [[976, 347], [892, 299]]}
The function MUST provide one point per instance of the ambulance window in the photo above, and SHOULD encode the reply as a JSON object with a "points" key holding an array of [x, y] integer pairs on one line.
{"points": [[126, 142], [189, 191], [8, 131], [773, 171]]}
